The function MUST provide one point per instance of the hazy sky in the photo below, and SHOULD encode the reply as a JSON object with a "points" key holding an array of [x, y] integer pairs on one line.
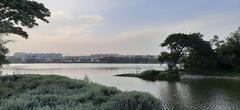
{"points": [[80, 27]]}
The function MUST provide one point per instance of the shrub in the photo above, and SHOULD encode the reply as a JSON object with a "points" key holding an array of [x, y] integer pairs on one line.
{"points": [[132, 101], [153, 75], [36, 92]]}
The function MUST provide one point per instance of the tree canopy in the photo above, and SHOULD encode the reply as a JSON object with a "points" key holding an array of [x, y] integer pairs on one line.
{"points": [[3, 51], [183, 49], [192, 54], [229, 51], [15, 14]]}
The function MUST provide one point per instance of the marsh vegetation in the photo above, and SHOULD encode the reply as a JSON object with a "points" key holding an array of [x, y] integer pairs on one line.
{"points": [[37, 92]]}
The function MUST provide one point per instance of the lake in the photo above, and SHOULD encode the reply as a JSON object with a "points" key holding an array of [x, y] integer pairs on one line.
{"points": [[198, 94]]}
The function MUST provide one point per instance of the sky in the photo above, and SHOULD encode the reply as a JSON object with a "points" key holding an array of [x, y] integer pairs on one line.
{"points": [[83, 27]]}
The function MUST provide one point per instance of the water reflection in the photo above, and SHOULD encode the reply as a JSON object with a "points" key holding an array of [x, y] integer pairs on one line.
{"points": [[204, 94], [207, 94]]}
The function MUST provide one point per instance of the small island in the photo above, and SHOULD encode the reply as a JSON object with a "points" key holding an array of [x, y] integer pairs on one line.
{"points": [[190, 54], [154, 75]]}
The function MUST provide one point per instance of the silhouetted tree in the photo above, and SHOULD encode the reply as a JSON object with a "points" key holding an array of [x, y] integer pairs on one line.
{"points": [[16, 14], [186, 50], [229, 51], [3, 51]]}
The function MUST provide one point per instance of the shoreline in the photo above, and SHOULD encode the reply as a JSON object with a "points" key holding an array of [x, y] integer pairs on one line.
{"points": [[158, 75]]}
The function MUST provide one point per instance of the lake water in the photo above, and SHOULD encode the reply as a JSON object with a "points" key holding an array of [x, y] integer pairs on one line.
{"points": [[201, 94]]}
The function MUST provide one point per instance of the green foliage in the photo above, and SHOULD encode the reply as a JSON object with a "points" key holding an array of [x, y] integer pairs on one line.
{"points": [[132, 101], [160, 75], [216, 42], [3, 51], [16, 13], [153, 75], [189, 51], [129, 59], [229, 52], [36, 92], [170, 58], [183, 43], [192, 54]]}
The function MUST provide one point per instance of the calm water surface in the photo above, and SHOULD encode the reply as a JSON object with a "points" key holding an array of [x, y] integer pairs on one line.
{"points": [[202, 94]]}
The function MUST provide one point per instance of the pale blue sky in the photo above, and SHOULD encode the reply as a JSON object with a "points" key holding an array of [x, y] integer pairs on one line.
{"points": [[80, 27]]}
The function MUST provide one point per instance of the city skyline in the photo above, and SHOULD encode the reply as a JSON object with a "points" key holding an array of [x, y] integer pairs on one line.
{"points": [[79, 54], [84, 27], [22, 57]]}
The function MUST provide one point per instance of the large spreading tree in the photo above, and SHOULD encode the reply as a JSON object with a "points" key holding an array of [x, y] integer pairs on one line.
{"points": [[16, 14], [188, 51]]}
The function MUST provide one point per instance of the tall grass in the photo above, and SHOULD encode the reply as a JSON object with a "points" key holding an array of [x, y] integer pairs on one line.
{"points": [[37, 92]]}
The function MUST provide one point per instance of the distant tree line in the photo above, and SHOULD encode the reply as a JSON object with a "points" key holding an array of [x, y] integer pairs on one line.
{"points": [[127, 59]]}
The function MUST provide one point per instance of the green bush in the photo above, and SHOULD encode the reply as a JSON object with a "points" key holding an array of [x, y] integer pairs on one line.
{"points": [[36, 92], [159, 75], [132, 101], [153, 75]]}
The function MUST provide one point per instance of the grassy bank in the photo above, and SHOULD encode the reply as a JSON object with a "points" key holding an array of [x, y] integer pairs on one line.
{"points": [[36, 92], [153, 75]]}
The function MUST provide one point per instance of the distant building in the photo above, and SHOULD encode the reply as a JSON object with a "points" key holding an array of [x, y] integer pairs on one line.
{"points": [[22, 57], [38, 57]]}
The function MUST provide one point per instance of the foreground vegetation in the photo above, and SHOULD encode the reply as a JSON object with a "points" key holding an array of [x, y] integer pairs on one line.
{"points": [[37, 92], [153, 75]]}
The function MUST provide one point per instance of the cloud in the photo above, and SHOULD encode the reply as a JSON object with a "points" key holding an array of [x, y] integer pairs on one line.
{"points": [[146, 39], [75, 35], [64, 24], [79, 6], [63, 30]]}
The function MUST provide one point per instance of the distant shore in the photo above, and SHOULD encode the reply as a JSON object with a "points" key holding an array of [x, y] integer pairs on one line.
{"points": [[95, 58]]}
